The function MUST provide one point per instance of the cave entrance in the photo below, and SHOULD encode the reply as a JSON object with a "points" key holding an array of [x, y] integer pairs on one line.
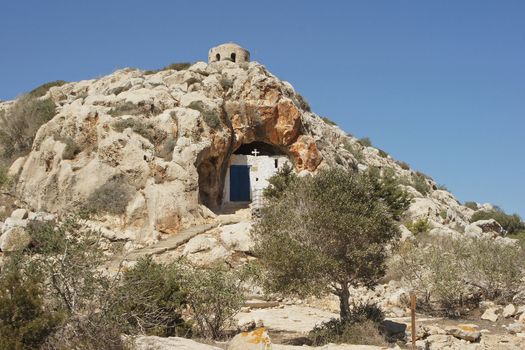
{"points": [[249, 169]]}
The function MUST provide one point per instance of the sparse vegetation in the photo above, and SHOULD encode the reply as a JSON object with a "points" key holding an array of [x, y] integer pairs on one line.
{"points": [[365, 142], [44, 88], [303, 104], [209, 117], [20, 124], [511, 223], [420, 183], [127, 108], [449, 273], [418, 226], [355, 151], [403, 165], [328, 121], [111, 198], [382, 153], [323, 235], [144, 129], [362, 327], [280, 182], [214, 297], [4, 179], [176, 66], [471, 205], [387, 190], [150, 300]]}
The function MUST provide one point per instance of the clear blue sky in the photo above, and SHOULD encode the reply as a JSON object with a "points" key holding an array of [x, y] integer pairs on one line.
{"points": [[439, 84]]}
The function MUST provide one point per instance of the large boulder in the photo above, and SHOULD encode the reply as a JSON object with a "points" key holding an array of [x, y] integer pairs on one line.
{"points": [[237, 236], [14, 239], [469, 332], [257, 339]]}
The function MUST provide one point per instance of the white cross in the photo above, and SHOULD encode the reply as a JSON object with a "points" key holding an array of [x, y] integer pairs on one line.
{"points": [[255, 152]]}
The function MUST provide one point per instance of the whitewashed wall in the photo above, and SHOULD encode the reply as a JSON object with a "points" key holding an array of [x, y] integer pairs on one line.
{"points": [[261, 169]]}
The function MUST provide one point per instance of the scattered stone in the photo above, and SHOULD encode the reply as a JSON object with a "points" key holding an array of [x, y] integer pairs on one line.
{"points": [[14, 239], [12, 222], [490, 314], [516, 327], [19, 214], [257, 339], [468, 332], [246, 324], [509, 311]]}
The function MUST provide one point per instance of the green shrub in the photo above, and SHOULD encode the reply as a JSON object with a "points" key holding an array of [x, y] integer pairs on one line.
{"points": [[21, 122], [442, 187], [361, 330], [71, 150], [387, 189], [210, 118], [44, 88], [403, 165], [279, 182], [214, 297], [355, 151], [303, 104], [25, 319], [420, 183], [382, 153], [324, 231], [418, 226], [511, 223], [450, 273], [328, 121], [126, 108], [365, 142], [111, 198], [176, 66], [144, 129], [4, 178], [471, 205], [496, 269], [149, 299]]}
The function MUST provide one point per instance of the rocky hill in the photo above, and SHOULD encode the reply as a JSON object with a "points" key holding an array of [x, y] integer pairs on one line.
{"points": [[147, 153], [164, 140]]}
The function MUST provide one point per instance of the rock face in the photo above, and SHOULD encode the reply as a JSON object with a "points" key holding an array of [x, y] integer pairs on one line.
{"points": [[165, 141]]}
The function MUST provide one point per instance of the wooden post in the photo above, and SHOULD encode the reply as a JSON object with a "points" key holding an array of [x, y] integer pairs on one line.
{"points": [[413, 316]]}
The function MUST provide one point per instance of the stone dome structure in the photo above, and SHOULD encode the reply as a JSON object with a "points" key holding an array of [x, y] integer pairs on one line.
{"points": [[228, 52]]}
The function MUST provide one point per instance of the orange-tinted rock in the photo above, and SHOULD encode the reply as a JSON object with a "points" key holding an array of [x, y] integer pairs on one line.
{"points": [[306, 154]]}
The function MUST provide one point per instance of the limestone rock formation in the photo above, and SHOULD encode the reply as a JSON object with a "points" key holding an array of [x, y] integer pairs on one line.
{"points": [[153, 149]]}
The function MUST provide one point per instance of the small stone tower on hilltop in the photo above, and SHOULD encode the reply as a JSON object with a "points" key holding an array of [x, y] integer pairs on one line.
{"points": [[228, 52]]}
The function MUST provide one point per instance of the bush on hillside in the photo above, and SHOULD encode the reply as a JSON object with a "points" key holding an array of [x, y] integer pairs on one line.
{"points": [[176, 66], [44, 88], [209, 117], [280, 182], [21, 122], [511, 223], [4, 178], [418, 226], [150, 300], [25, 318], [387, 189], [355, 151], [471, 205], [111, 198], [365, 142], [214, 297], [328, 121], [144, 129], [420, 183], [445, 272], [362, 327]]}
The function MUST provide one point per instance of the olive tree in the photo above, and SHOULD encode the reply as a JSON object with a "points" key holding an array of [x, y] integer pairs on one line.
{"points": [[323, 235]]}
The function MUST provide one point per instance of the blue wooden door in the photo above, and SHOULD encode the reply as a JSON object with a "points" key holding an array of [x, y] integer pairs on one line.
{"points": [[239, 183]]}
